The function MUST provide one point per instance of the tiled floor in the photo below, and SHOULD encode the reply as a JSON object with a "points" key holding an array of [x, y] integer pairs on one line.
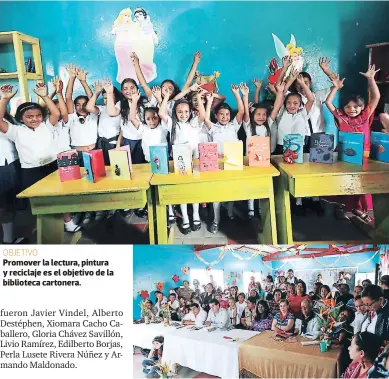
{"points": [[133, 230], [183, 372]]}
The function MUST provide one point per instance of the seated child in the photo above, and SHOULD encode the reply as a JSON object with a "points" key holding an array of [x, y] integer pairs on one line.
{"points": [[343, 331], [149, 365], [360, 314]]}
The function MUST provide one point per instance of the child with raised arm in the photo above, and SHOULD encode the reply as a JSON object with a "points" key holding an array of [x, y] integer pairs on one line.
{"points": [[34, 139], [224, 130], [292, 119], [257, 121], [355, 117], [184, 129]]}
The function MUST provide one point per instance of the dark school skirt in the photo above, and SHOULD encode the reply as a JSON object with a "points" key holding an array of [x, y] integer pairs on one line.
{"points": [[106, 145], [137, 155], [10, 184], [32, 175]]}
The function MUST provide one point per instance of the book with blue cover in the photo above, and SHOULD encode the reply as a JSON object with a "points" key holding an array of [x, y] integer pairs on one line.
{"points": [[321, 148], [87, 158], [159, 159], [379, 149], [294, 143], [351, 147]]}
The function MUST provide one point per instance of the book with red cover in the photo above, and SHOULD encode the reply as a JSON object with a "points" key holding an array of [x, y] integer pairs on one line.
{"points": [[259, 151], [98, 166], [208, 157], [68, 166]]}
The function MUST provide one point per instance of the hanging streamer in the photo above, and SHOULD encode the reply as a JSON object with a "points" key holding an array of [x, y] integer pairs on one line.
{"points": [[361, 263]]}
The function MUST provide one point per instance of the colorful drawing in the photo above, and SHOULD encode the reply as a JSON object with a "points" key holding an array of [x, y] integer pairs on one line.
{"points": [[159, 159], [134, 35], [293, 148], [207, 82], [175, 278], [160, 286], [185, 270], [182, 157], [290, 49], [144, 294]]}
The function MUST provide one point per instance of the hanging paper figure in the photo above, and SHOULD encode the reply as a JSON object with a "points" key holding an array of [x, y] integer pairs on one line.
{"points": [[175, 278], [207, 82], [291, 50], [144, 294], [134, 35], [160, 286], [185, 270]]}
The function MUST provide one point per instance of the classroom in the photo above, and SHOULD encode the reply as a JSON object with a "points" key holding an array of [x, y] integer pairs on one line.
{"points": [[267, 134]]}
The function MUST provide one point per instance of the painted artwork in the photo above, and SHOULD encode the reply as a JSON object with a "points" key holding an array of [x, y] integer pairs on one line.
{"points": [[291, 49], [134, 32]]}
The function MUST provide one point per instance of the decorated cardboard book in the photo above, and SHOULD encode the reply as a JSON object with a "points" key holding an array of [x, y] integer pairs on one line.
{"points": [[351, 147], [379, 149], [259, 151], [87, 158], [68, 166], [208, 157], [159, 159], [121, 164], [233, 155], [294, 147], [321, 148], [98, 165], [182, 157]]}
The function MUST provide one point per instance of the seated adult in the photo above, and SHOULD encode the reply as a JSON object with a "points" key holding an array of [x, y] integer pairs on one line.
{"points": [[263, 318], [196, 316], [307, 324], [290, 290], [160, 300], [295, 300], [345, 294], [254, 293], [219, 298], [248, 315], [316, 292], [380, 368], [274, 304], [377, 321], [384, 282], [364, 349], [284, 320], [217, 316], [186, 292]]}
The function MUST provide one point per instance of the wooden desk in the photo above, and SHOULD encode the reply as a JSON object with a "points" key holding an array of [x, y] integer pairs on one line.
{"points": [[263, 357], [209, 187], [50, 199], [341, 178]]}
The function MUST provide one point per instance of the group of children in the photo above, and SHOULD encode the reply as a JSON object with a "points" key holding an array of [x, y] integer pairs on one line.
{"points": [[166, 114]]}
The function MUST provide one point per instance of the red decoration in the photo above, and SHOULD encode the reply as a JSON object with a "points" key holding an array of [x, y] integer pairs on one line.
{"points": [[290, 156], [160, 286], [185, 270], [275, 72], [175, 278], [144, 294], [209, 268]]}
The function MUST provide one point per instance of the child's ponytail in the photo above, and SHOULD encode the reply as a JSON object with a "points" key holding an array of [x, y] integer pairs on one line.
{"points": [[253, 126]]}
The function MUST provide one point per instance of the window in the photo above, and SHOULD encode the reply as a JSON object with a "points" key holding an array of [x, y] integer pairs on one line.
{"points": [[246, 279], [205, 277]]}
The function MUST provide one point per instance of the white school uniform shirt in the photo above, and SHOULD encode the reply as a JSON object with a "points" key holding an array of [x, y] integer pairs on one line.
{"points": [[7, 150], [317, 111], [224, 133], [231, 316], [108, 127], [241, 308], [287, 123], [369, 326], [129, 130], [83, 134], [199, 319], [175, 304], [35, 147], [261, 131], [62, 136], [219, 319], [186, 132], [358, 321], [152, 137]]}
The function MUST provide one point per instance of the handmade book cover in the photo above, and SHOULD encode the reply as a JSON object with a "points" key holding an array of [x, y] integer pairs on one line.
{"points": [[87, 158], [258, 151], [294, 145], [233, 155], [68, 166], [321, 148], [159, 159], [120, 164], [351, 147], [182, 158], [98, 165], [379, 149], [208, 157]]}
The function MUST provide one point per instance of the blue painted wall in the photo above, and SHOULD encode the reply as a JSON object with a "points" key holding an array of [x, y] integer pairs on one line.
{"points": [[154, 264], [234, 37]]}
